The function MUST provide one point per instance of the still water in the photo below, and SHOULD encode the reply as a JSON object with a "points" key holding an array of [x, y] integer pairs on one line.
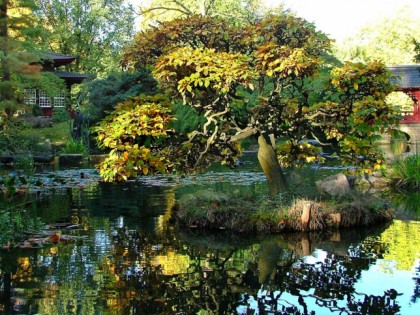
{"points": [[125, 258]]}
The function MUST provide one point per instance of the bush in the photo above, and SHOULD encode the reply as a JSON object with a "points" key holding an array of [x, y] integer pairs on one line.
{"points": [[60, 115]]}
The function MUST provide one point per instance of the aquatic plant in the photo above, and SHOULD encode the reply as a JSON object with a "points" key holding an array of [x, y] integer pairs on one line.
{"points": [[75, 147], [405, 172], [26, 163]]}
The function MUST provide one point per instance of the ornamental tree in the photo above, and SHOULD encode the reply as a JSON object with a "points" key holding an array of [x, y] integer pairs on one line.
{"points": [[258, 81]]}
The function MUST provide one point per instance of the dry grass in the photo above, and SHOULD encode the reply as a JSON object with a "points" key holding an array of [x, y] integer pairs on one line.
{"points": [[354, 210], [317, 220]]}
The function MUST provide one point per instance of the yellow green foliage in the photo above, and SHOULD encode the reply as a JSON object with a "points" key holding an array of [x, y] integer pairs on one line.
{"points": [[131, 132], [257, 81]]}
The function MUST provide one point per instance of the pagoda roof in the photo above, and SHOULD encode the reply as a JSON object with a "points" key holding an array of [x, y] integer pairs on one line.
{"points": [[408, 76], [71, 77], [58, 59]]}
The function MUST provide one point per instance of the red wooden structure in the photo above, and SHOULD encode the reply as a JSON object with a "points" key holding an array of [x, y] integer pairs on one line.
{"points": [[408, 80]]}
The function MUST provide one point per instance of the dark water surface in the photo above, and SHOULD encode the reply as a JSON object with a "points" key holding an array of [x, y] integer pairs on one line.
{"points": [[127, 259]]}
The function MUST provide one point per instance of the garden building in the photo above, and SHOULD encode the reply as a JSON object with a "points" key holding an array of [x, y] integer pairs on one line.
{"points": [[408, 81], [38, 97]]}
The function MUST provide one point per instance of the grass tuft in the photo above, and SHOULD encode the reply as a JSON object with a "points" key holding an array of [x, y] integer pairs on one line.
{"points": [[405, 172]]}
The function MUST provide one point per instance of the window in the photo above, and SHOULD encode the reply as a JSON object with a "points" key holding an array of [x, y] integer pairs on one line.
{"points": [[60, 99], [29, 97], [44, 100]]}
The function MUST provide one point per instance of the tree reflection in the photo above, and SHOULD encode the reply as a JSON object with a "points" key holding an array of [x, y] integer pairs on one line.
{"points": [[120, 270]]}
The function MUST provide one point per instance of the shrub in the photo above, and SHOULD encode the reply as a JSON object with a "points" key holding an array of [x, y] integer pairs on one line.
{"points": [[38, 121], [60, 115]]}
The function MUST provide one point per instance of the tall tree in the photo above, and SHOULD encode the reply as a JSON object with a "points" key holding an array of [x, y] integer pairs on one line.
{"points": [[93, 30], [235, 11], [17, 34], [389, 40], [257, 82]]}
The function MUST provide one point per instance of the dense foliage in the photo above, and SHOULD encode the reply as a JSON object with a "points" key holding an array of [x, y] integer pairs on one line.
{"points": [[17, 32], [94, 31], [237, 12], [389, 40], [100, 97], [257, 81], [132, 132]]}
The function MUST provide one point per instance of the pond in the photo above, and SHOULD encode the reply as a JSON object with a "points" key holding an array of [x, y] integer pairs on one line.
{"points": [[123, 257]]}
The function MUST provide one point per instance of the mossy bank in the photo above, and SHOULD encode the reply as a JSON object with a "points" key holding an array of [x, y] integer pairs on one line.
{"points": [[208, 209]]}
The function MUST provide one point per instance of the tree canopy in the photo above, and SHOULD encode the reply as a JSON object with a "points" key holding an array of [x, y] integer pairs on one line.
{"points": [[389, 40], [234, 11], [19, 66], [255, 81], [94, 31]]}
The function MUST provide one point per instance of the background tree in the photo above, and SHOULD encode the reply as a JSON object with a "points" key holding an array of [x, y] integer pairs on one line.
{"points": [[19, 69], [94, 31], [101, 96], [17, 33], [389, 40], [416, 51], [235, 11], [257, 82]]}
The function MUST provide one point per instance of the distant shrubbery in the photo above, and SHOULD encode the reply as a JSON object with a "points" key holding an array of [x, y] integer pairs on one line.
{"points": [[60, 115], [101, 96]]}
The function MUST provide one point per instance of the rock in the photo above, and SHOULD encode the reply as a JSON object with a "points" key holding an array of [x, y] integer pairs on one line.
{"points": [[44, 158], [335, 185], [371, 181], [70, 159]]}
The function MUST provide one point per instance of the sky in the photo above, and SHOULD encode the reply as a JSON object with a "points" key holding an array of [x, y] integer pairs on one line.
{"points": [[342, 18]]}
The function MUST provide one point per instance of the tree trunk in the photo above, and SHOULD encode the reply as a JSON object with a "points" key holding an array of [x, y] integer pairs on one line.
{"points": [[271, 167], [4, 34]]}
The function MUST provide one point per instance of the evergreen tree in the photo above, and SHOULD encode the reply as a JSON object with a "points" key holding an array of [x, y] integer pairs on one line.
{"points": [[17, 32]]}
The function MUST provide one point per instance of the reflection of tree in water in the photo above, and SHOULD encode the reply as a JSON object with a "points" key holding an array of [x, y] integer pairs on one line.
{"points": [[212, 279], [127, 272], [416, 279]]}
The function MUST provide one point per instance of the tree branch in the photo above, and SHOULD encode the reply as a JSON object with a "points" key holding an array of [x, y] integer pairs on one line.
{"points": [[243, 134]]}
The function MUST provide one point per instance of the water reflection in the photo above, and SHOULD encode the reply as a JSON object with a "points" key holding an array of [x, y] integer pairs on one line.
{"points": [[121, 269], [127, 259]]}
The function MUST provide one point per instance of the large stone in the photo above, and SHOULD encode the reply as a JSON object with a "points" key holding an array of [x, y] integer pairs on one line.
{"points": [[371, 181], [335, 185]]}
